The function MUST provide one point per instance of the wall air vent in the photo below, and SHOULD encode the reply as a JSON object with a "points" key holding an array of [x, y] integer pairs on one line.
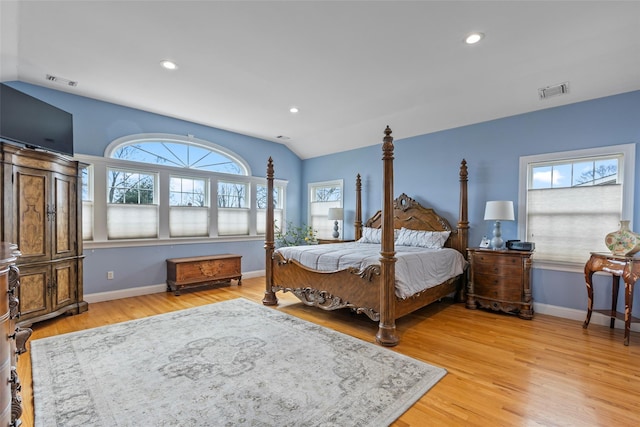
{"points": [[555, 90], [62, 81]]}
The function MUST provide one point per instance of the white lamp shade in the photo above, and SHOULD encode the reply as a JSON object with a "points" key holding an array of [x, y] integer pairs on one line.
{"points": [[499, 210], [335, 214]]}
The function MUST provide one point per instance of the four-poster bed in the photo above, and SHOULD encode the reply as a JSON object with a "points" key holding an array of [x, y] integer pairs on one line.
{"points": [[373, 288]]}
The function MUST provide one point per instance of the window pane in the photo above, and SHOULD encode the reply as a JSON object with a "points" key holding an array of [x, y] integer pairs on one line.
{"points": [[187, 192], [177, 154], [232, 195], [541, 177], [125, 187], [86, 184], [326, 194], [261, 197], [561, 176]]}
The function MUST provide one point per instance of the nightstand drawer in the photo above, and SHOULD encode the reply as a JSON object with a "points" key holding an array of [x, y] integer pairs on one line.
{"points": [[499, 268], [498, 287]]}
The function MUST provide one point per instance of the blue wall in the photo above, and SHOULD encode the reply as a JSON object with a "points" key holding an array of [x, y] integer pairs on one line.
{"points": [[96, 124], [426, 168]]}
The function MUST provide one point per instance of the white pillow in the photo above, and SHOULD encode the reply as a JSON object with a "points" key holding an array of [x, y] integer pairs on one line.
{"points": [[371, 235], [374, 235], [423, 239]]}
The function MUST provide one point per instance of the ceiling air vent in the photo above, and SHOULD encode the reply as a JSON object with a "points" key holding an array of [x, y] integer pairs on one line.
{"points": [[555, 90], [62, 81]]}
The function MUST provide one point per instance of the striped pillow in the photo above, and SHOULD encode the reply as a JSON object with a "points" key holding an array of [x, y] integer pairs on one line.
{"points": [[423, 239], [371, 235]]}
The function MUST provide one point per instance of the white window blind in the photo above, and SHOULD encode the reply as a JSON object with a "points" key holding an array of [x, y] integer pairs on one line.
{"points": [[233, 221], [320, 218], [132, 221], [262, 220], [188, 221], [87, 220], [567, 224]]}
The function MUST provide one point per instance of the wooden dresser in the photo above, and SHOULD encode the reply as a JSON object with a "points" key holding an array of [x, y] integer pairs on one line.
{"points": [[500, 280], [203, 270], [14, 339]]}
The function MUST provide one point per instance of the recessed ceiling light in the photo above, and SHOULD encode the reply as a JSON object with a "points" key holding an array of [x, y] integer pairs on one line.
{"points": [[294, 110], [473, 38], [169, 65]]}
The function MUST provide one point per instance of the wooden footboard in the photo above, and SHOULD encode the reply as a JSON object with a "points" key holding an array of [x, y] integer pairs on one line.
{"points": [[350, 288]]}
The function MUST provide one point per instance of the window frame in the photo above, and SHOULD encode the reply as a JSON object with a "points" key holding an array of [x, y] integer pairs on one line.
{"points": [[97, 167], [627, 178], [310, 191]]}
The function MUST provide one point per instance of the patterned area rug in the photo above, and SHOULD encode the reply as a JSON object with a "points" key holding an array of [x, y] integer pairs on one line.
{"points": [[233, 363]]}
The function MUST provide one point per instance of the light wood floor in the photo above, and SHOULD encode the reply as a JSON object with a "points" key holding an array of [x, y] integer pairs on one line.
{"points": [[502, 370]]}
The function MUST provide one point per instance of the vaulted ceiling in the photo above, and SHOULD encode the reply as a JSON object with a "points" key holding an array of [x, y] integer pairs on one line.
{"points": [[351, 67]]}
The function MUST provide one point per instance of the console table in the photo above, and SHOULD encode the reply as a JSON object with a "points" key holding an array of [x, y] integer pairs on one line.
{"points": [[627, 267]]}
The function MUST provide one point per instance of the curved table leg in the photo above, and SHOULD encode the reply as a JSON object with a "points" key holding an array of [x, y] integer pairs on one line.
{"points": [[628, 305], [588, 275], [615, 283]]}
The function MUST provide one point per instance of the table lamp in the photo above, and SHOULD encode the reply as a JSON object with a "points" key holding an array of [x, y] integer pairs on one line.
{"points": [[335, 214], [498, 210]]}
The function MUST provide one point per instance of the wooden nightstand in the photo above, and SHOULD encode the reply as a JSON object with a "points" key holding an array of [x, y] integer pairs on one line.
{"points": [[500, 280]]}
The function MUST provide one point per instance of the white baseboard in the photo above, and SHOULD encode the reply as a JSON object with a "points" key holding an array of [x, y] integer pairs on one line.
{"points": [[551, 310], [580, 315], [145, 290]]}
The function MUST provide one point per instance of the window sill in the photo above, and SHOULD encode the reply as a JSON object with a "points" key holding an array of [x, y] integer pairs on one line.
{"points": [[132, 243]]}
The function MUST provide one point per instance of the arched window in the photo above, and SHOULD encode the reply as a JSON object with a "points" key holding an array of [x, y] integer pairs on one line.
{"points": [[163, 186], [177, 151]]}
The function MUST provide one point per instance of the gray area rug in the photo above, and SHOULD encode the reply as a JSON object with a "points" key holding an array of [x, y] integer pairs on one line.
{"points": [[233, 363]]}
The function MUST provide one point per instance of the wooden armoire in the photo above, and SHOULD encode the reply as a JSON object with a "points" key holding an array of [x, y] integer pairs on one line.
{"points": [[42, 214]]}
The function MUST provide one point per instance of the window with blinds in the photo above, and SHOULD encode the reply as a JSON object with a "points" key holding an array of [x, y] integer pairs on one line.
{"points": [[132, 211], [571, 203], [322, 196], [189, 207], [169, 186], [261, 204]]}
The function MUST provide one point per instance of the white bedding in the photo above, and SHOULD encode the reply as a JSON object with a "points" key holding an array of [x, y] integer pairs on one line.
{"points": [[417, 269]]}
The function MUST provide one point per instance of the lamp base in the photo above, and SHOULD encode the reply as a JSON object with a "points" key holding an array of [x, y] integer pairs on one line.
{"points": [[335, 230], [496, 241]]}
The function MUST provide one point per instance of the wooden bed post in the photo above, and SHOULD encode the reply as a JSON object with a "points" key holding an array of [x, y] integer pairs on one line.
{"points": [[387, 327], [358, 221], [463, 222], [269, 295]]}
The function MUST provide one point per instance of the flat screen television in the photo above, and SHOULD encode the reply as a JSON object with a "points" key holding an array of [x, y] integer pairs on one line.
{"points": [[34, 123]]}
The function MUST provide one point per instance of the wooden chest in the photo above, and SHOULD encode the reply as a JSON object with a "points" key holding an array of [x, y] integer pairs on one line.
{"points": [[500, 280], [202, 271]]}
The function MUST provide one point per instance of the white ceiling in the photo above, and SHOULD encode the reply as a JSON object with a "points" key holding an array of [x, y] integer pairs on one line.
{"points": [[351, 67]]}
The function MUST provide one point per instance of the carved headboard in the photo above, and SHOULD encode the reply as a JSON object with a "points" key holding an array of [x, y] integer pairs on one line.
{"points": [[410, 214]]}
